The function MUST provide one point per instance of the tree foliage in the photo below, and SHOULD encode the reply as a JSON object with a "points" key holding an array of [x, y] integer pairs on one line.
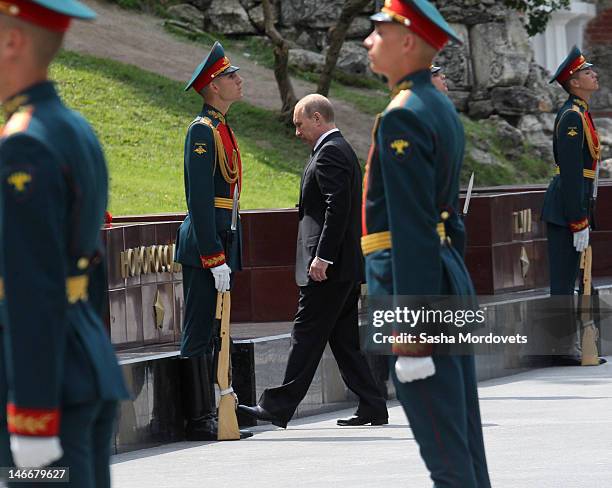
{"points": [[537, 12]]}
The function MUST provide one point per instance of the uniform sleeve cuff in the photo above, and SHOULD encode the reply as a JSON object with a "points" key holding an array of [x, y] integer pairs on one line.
{"points": [[579, 225], [213, 260], [32, 421], [416, 350], [325, 260]]}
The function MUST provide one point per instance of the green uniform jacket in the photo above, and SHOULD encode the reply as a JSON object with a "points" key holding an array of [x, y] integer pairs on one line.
{"points": [[204, 239], [53, 198], [411, 193], [575, 146]]}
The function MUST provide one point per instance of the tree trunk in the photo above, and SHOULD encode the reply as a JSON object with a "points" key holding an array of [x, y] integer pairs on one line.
{"points": [[281, 64], [337, 35]]}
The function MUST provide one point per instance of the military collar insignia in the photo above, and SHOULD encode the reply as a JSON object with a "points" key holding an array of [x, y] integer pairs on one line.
{"points": [[404, 85], [216, 115], [14, 104], [580, 102]]}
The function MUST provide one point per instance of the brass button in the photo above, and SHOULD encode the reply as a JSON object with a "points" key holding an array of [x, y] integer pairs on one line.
{"points": [[82, 263], [444, 215]]}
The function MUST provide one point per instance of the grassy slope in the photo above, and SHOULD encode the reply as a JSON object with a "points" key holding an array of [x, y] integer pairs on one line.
{"points": [[141, 120], [527, 167]]}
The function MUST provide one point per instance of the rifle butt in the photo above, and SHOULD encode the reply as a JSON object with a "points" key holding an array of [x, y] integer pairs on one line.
{"points": [[228, 429], [590, 356]]}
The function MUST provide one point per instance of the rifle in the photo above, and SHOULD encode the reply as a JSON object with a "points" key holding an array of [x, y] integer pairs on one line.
{"points": [[468, 197], [228, 423], [590, 357]]}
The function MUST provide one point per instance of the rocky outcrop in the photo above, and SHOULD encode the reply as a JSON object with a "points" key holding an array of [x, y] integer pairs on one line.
{"points": [[492, 74], [306, 60]]}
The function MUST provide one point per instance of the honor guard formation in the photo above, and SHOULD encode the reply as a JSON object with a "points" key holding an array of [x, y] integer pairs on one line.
{"points": [[403, 234]]}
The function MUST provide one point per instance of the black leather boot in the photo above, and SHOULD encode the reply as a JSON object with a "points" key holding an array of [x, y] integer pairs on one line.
{"points": [[198, 399], [199, 404]]}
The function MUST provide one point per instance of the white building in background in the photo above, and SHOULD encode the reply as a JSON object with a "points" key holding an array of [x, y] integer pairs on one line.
{"points": [[565, 28]]}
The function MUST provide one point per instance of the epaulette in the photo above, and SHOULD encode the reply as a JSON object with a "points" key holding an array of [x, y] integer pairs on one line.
{"points": [[203, 121], [18, 122], [229, 175], [593, 143], [573, 109], [399, 100]]}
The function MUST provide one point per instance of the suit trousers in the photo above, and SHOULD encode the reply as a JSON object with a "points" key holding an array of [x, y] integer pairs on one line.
{"points": [[327, 312], [444, 416]]}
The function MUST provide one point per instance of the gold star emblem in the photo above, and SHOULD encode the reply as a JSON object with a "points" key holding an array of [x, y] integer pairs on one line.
{"points": [[399, 146], [572, 132], [19, 180]]}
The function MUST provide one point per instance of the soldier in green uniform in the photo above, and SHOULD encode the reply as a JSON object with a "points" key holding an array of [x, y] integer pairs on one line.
{"points": [[59, 378], [438, 78], [206, 245], [567, 204], [411, 226], [576, 150]]}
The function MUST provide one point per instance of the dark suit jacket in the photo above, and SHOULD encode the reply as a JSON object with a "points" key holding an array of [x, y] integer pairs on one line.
{"points": [[329, 213]]}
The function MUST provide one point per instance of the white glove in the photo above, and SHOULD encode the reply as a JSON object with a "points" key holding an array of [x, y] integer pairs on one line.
{"points": [[221, 274], [581, 239], [410, 369], [35, 452]]}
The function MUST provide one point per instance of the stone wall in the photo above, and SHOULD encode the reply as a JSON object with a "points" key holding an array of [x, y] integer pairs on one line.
{"points": [[492, 76]]}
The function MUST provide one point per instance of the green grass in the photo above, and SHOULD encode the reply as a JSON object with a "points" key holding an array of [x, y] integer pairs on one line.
{"points": [[141, 120], [526, 167]]}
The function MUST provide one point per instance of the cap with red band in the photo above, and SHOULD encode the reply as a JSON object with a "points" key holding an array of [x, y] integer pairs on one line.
{"points": [[54, 15], [574, 62], [216, 63], [421, 17]]}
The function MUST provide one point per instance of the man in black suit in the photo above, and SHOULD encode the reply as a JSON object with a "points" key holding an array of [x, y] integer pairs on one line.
{"points": [[329, 272]]}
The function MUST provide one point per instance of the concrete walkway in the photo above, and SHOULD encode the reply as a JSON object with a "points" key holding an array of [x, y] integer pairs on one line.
{"points": [[547, 428]]}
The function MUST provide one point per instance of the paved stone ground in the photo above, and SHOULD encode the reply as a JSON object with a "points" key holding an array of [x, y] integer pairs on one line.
{"points": [[547, 428]]}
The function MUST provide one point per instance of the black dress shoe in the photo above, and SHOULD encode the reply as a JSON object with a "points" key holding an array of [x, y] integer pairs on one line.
{"points": [[566, 360], [206, 430], [571, 361], [362, 420], [245, 434], [261, 413]]}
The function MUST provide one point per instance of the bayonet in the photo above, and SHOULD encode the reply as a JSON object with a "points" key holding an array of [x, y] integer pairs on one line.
{"points": [[468, 195], [235, 208], [593, 203]]}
